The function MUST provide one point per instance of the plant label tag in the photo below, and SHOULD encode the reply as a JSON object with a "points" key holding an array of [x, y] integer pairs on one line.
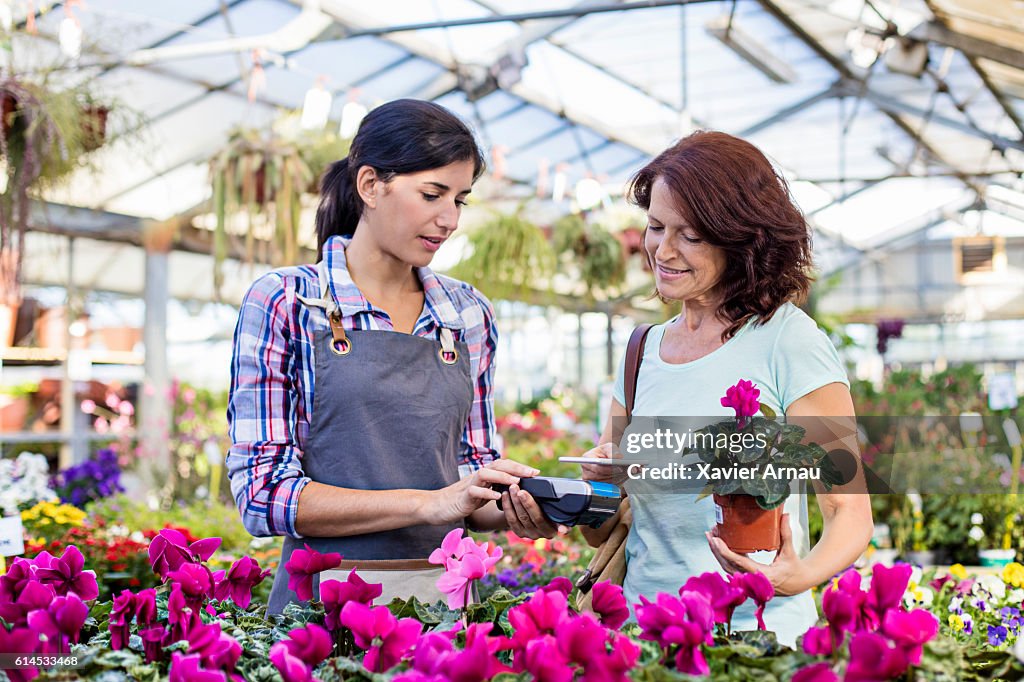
{"points": [[12, 541], [718, 515]]}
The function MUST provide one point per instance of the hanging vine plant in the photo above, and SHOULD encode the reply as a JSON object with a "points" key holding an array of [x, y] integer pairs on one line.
{"points": [[510, 255], [594, 252], [258, 181]]}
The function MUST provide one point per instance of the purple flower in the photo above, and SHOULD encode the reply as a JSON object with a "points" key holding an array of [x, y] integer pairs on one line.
{"points": [[303, 565], [238, 581], [743, 398], [66, 575], [996, 635]]}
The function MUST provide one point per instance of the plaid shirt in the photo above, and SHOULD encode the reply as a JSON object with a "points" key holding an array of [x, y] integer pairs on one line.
{"points": [[271, 400]]}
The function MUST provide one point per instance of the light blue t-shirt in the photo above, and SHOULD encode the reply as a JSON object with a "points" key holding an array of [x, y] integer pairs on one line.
{"points": [[787, 357]]}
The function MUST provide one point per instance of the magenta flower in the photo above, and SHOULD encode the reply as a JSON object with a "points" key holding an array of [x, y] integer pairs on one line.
{"points": [[559, 584], [190, 669], [66, 575], [743, 398], [685, 621], [385, 638], [303, 565], [196, 583], [911, 631], [724, 596], [145, 607], [431, 654], [887, 588], [819, 672], [436, 660], [874, 659], [758, 588], [237, 583], [121, 614], [541, 615], [169, 550], [291, 668], [336, 593], [181, 614], [842, 604], [217, 649], [20, 641], [817, 641], [20, 572], [61, 623], [34, 595], [311, 645], [545, 662], [609, 604], [153, 638]]}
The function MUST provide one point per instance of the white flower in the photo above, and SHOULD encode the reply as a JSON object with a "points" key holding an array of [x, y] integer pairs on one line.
{"points": [[993, 585], [977, 519], [917, 595], [976, 533], [1015, 596], [915, 576], [1018, 649], [956, 603]]}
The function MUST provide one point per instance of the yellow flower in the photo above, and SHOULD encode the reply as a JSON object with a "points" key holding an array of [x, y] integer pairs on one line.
{"points": [[1013, 573], [956, 622], [958, 571], [540, 544]]}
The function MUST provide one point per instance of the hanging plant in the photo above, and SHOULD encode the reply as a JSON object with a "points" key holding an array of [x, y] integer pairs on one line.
{"points": [[258, 181], [510, 255], [593, 251]]}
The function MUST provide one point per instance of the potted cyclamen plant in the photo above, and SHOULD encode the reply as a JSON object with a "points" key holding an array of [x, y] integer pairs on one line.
{"points": [[754, 459]]}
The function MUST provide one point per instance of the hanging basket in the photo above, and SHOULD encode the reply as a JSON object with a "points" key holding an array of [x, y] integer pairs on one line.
{"points": [[94, 127], [745, 527], [8, 105]]}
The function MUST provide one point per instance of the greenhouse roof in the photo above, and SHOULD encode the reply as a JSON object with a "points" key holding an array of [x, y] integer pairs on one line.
{"points": [[887, 117]]}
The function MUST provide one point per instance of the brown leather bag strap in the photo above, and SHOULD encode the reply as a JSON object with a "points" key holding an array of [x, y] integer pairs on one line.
{"points": [[634, 356]]}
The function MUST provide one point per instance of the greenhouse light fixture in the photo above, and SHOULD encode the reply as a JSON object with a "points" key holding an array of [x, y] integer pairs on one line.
{"points": [[70, 37], [316, 107], [351, 116], [750, 50]]}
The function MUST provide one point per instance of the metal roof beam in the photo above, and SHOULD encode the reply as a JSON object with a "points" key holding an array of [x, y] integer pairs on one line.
{"points": [[938, 32], [783, 114]]}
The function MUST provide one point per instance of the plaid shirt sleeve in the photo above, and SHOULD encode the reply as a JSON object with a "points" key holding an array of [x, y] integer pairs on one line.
{"points": [[264, 463], [478, 438]]}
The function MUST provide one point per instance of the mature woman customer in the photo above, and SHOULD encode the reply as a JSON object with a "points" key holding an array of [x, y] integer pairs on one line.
{"points": [[725, 240]]}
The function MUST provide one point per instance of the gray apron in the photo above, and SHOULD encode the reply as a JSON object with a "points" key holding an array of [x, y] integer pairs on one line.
{"points": [[389, 411]]}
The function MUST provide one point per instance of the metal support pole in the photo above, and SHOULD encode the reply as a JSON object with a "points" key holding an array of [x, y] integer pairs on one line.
{"points": [[156, 396]]}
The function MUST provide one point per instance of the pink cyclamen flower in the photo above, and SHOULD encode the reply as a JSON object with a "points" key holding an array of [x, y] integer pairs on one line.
{"points": [[190, 669], [819, 672], [609, 604], [759, 589], [66, 574], [311, 644], [292, 669], [874, 659], [169, 550], [35, 595], [842, 604], [686, 621], [182, 614], [888, 586], [217, 649], [121, 613], [545, 662], [61, 623], [457, 580], [303, 565], [540, 615], [385, 638], [743, 398], [911, 630], [817, 641], [559, 584], [153, 637], [20, 641], [145, 607], [336, 593], [237, 582], [455, 547], [724, 596], [196, 582]]}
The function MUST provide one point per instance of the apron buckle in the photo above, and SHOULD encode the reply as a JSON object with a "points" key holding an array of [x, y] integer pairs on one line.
{"points": [[340, 343], [448, 357]]}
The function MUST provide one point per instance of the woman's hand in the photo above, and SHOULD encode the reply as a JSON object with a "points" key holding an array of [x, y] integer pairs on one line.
{"points": [[524, 516], [462, 498], [599, 472], [783, 572]]}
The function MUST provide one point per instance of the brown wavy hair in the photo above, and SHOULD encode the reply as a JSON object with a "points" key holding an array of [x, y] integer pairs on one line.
{"points": [[734, 199]]}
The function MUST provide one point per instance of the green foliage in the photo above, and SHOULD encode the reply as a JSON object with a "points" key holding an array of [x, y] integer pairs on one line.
{"points": [[593, 251], [509, 256]]}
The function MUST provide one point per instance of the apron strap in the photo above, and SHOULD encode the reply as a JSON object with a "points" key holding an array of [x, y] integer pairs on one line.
{"points": [[449, 354], [340, 343]]}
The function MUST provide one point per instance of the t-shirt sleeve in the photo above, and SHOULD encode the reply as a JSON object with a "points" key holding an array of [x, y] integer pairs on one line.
{"points": [[805, 360], [619, 390]]}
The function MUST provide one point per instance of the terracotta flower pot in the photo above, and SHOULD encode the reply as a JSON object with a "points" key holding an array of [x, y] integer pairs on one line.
{"points": [[745, 527]]}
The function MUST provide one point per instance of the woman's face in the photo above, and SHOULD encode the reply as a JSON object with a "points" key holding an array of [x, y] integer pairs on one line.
{"points": [[412, 215], [685, 266]]}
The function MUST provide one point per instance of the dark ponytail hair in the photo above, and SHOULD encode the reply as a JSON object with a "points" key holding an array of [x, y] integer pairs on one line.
{"points": [[403, 136]]}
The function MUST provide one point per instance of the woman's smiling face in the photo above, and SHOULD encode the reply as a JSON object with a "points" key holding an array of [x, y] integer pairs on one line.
{"points": [[685, 266]]}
